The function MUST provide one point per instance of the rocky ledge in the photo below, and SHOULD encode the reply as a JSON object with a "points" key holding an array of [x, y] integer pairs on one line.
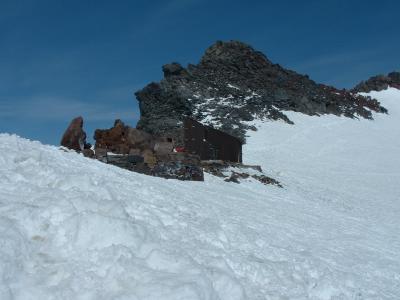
{"points": [[379, 83], [232, 85]]}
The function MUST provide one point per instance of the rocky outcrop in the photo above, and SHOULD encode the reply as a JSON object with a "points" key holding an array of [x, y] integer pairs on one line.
{"points": [[179, 166], [237, 172], [141, 152], [379, 83], [234, 84], [121, 138], [74, 137]]}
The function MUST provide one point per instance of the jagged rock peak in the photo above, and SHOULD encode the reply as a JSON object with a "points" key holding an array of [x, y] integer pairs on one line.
{"points": [[233, 52], [379, 83], [234, 84], [173, 69]]}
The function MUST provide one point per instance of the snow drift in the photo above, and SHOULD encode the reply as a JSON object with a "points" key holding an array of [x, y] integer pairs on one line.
{"points": [[74, 228]]}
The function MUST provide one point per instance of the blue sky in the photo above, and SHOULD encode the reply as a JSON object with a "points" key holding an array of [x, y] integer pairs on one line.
{"points": [[60, 59]]}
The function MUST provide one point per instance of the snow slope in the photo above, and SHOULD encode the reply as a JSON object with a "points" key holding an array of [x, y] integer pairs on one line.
{"points": [[74, 228]]}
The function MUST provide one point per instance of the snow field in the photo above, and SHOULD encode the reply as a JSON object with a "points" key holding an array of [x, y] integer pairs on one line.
{"points": [[74, 228]]}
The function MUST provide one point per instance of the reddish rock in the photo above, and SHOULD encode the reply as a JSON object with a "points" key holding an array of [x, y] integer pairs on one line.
{"points": [[74, 137], [121, 139]]}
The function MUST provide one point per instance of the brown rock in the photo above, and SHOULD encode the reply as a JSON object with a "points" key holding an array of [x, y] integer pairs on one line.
{"points": [[74, 137], [121, 139]]}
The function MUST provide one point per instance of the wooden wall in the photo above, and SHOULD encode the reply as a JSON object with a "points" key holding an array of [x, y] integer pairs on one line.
{"points": [[210, 143]]}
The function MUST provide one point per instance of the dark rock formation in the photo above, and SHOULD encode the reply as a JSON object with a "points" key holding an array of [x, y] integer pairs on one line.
{"points": [[234, 83], [74, 137], [88, 153], [179, 166], [379, 83], [235, 172], [174, 69], [121, 138]]}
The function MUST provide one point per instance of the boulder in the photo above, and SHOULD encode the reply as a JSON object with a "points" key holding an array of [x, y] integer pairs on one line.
{"points": [[87, 152], [74, 137], [121, 139]]}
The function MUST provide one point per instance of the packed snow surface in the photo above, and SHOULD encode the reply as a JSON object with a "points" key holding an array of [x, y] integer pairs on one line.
{"points": [[74, 228]]}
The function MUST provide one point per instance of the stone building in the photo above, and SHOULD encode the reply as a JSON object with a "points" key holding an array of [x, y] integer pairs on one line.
{"points": [[178, 154]]}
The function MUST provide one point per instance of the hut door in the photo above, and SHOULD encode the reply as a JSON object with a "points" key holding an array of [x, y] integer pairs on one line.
{"points": [[214, 153]]}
